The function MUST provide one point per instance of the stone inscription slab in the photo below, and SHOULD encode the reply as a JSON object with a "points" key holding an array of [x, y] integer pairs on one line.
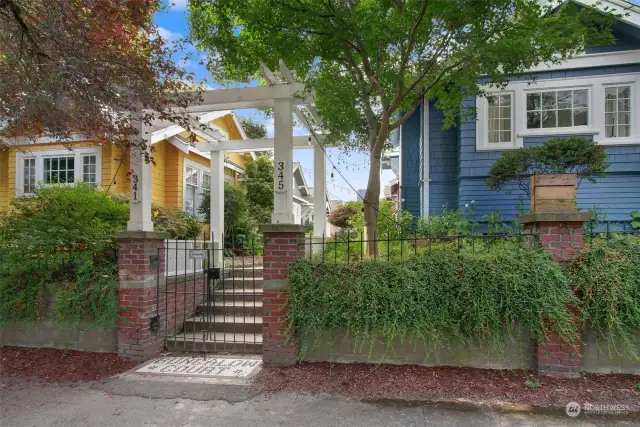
{"points": [[199, 366]]}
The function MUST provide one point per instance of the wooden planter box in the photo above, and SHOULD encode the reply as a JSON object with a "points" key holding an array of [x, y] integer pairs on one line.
{"points": [[553, 193]]}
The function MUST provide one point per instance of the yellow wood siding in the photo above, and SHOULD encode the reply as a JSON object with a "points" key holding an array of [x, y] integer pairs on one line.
{"points": [[173, 177], [4, 180], [158, 184]]}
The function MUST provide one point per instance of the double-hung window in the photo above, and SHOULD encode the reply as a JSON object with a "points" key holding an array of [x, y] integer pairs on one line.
{"points": [[196, 183], [500, 116], [557, 109], [52, 167], [617, 111], [193, 188]]}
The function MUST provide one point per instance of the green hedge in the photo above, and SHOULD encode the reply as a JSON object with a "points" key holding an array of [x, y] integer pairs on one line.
{"points": [[467, 296], [607, 278], [58, 256], [472, 296]]}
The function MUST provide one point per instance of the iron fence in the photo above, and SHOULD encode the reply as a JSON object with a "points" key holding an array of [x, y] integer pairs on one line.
{"points": [[390, 247]]}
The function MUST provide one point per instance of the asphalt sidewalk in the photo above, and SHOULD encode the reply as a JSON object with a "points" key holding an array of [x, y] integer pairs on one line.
{"points": [[32, 403]]}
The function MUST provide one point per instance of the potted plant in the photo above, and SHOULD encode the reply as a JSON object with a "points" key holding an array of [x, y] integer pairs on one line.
{"points": [[550, 174]]}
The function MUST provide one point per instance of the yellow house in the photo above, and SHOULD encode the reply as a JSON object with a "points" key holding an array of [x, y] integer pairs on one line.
{"points": [[179, 170]]}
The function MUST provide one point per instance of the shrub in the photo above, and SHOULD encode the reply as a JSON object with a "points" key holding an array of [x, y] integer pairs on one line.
{"points": [[635, 220], [465, 296], [61, 242], [448, 223], [559, 155], [178, 223]]}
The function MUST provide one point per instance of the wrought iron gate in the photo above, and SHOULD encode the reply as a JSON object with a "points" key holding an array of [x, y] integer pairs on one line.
{"points": [[210, 299]]}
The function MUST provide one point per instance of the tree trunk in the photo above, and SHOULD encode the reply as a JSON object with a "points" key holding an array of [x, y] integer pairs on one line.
{"points": [[371, 205]]}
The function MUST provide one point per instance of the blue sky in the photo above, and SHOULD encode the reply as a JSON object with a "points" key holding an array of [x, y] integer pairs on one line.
{"points": [[354, 166]]}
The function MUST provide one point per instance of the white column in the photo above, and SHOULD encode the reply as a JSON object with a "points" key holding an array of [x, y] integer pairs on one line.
{"points": [[217, 205], [319, 195], [140, 186], [283, 162]]}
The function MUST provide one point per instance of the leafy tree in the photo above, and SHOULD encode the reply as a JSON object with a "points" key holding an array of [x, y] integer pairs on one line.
{"points": [[259, 185], [371, 63], [253, 129], [70, 66], [576, 155], [237, 222]]}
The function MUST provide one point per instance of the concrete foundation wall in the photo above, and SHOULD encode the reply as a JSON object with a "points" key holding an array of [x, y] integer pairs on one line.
{"points": [[519, 354], [598, 358], [49, 334]]}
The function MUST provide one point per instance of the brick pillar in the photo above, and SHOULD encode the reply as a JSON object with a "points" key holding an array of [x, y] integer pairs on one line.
{"points": [[283, 244], [141, 256], [562, 235]]}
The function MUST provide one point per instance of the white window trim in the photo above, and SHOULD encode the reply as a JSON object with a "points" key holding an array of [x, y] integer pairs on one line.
{"points": [[596, 86], [634, 134], [201, 169], [482, 124], [567, 130], [40, 155]]}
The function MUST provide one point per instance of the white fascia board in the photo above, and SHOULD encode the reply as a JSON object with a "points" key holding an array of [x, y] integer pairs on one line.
{"points": [[25, 140], [180, 144], [302, 201], [207, 117], [165, 133], [591, 60]]}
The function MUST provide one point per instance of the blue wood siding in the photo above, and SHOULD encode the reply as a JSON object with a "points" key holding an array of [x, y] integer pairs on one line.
{"points": [[410, 143], [457, 172], [618, 194], [443, 163]]}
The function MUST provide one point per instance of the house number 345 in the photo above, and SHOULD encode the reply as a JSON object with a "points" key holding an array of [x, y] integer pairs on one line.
{"points": [[280, 178]]}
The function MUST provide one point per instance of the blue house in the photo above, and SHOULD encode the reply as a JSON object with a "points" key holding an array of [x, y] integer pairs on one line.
{"points": [[595, 95]]}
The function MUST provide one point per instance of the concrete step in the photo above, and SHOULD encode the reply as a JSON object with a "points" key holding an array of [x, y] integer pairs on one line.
{"points": [[215, 343], [238, 272], [239, 308], [246, 294], [220, 323], [240, 283]]}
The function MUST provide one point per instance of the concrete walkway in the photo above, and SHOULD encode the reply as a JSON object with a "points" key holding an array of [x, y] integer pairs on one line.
{"points": [[36, 404]]}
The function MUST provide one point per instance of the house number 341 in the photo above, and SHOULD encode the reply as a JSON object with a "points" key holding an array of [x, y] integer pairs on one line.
{"points": [[280, 178], [134, 189]]}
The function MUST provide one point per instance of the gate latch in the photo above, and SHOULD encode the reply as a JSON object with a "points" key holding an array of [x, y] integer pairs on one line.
{"points": [[154, 261], [213, 273]]}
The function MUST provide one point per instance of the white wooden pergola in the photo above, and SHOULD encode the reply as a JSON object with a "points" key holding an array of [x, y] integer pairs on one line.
{"points": [[287, 97]]}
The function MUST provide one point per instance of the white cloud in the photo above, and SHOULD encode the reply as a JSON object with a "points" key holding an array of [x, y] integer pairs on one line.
{"points": [[167, 35], [177, 4]]}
